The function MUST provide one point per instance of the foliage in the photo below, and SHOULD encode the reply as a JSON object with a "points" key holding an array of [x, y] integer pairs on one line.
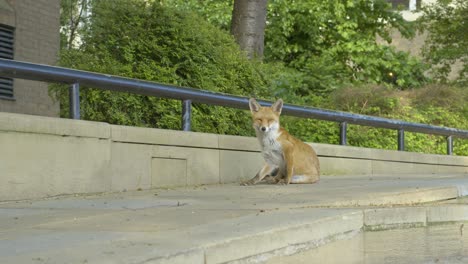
{"points": [[307, 28], [330, 42], [452, 98], [367, 100], [216, 12], [423, 105], [72, 18], [142, 40], [431, 104], [446, 22], [339, 36], [164, 41]]}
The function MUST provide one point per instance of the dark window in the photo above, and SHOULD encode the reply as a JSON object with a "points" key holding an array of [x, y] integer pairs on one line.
{"points": [[6, 52]]}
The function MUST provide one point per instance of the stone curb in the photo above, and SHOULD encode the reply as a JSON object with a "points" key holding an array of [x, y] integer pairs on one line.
{"points": [[259, 246]]}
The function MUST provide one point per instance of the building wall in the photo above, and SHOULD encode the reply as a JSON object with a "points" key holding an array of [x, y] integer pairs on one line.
{"points": [[37, 40]]}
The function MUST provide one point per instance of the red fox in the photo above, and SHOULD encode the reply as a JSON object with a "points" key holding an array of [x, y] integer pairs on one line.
{"points": [[287, 159]]}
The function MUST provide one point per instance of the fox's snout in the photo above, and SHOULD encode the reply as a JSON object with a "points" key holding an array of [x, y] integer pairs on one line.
{"points": [[265, 126]]}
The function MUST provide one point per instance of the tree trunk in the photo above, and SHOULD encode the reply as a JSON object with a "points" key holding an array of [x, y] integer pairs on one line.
{"points": [[248, 25]]}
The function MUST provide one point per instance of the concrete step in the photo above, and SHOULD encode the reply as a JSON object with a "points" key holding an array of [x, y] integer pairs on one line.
{"points": [[223, 223], [430, 244]]}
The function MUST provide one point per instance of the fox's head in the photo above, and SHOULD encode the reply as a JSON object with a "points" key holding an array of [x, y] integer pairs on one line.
{"points": [[265, 119]]}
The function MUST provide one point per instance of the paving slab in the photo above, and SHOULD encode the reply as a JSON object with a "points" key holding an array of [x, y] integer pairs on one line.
{"points": [[219, 223]]}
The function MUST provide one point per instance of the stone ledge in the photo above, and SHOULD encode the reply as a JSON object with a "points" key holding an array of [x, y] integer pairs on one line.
{"points": [[53, 126], [155, 136]]}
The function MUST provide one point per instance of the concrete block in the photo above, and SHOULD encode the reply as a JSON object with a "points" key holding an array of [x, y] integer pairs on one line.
{"points": [[53, 126], [344, 166], [385, 218], [327, 150], [391, 155], [447, 213], [237, 166], [452, 164], [425, 168], [202, 164], [38, 165], [193, 257], [130, 166], [424, 158], [409, 197], [452, 169], [239, 143], [452, 160], [163, 137], [279, 236], [423, 163], [169, 172], [392, 167]]}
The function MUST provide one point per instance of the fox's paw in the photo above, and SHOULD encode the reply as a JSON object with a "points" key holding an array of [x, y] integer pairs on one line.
{"points": [[282, 182], [247, 183], [270, 180]]}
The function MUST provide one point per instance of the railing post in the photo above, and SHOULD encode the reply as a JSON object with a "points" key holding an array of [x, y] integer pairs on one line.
{"points": [[74, 97], [186, 115], [449, 145], [343, 127], [401, 140]]}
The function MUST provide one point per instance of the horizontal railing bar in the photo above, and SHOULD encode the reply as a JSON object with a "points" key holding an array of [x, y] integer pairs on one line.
{"points": [[38, 72]]}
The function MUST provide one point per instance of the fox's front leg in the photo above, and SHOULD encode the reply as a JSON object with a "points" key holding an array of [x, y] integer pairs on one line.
{"points": [[266, 170], [288, 158]]}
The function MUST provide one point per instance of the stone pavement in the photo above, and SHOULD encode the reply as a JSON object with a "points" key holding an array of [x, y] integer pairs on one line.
{"points": [[222, 223]]}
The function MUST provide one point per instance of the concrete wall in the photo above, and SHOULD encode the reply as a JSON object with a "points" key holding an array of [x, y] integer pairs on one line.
{"points": [[43, 156], [37, 40]]}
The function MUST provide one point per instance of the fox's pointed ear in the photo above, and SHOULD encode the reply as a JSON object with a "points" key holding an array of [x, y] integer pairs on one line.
{"points": [[277, 106], [254, 106]]}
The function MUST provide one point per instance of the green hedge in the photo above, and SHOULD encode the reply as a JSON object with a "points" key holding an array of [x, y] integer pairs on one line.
{"points": [[141, 40], [146, 41]]}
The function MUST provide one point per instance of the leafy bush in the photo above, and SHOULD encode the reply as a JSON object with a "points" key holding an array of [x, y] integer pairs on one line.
{"points": [[452, 98], [367, 100], [147, 41], [440, 106], [425, 105]]}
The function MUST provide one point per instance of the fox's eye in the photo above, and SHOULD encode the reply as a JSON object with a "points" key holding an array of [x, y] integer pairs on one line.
{"points": [[258, 120]]}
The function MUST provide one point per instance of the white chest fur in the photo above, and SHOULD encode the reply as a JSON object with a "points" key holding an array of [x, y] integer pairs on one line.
{"points": [[271, 148]]}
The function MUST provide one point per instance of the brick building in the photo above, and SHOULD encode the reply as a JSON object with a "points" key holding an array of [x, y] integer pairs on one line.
{"points": [[29, 31]]}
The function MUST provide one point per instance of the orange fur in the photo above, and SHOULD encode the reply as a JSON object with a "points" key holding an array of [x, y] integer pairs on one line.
{"points": [[293, 160]]}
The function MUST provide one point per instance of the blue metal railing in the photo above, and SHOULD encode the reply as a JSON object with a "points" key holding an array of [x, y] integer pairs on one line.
{"points": [[38, 72]]}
